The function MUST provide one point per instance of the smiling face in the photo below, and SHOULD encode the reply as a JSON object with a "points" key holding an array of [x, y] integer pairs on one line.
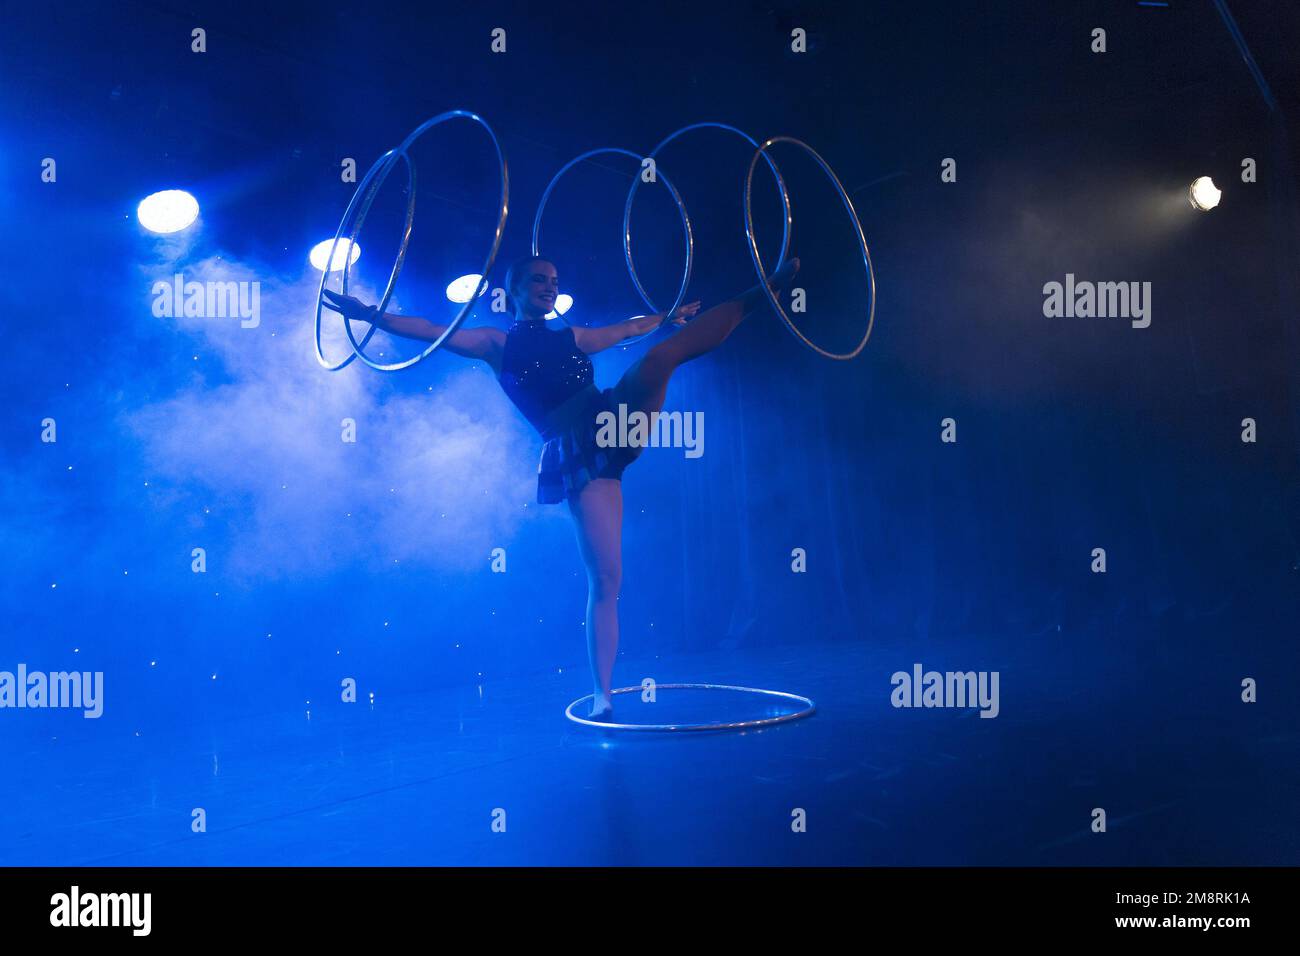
{"points": [[535, 289]]}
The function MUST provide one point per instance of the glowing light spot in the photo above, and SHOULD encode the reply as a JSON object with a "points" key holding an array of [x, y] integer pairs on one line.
{"points": [[563, 303], [463, 289], [168, 211], [346, 252], [1204, 195]]}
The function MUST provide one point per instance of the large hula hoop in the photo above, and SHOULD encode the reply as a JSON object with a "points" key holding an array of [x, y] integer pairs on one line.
{"points": [[382, 167], [364, 197], [786, 222], [686, 230], [808, 709], [758, 260]]}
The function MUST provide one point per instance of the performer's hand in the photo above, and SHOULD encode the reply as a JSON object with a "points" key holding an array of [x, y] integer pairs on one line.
{"points": [[349, 307], [686, 312], [645, 323], [648, 323]]}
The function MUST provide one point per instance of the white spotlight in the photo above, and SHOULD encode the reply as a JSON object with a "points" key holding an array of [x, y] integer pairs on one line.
{"points": [[463, 289], [168, 211], [563, 303], [1204, 194], [345, 252]]}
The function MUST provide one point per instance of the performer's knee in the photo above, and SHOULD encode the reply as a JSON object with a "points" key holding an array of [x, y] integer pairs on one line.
{"points": [[605, 582]]}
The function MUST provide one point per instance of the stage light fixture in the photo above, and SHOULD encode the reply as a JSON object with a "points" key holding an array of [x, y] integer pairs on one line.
{"points": [[1204, 195]]}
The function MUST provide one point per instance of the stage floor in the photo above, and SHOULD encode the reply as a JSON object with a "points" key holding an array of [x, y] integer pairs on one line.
{"points": [[419, 780]]}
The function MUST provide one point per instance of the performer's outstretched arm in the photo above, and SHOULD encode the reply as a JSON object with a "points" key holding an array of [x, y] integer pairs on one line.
{"points": [[599, 338], [484, 342]]}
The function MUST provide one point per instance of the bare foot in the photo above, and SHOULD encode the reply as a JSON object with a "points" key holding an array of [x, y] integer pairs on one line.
{"points": [[776, 282], [783, 275], [601, 708]]}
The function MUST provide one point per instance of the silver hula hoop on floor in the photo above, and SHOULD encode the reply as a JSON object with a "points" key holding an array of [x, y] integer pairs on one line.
{"points": [[807, 709], [362, 200]]}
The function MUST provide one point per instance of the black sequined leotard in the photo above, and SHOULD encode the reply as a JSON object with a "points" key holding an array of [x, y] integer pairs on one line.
{"points": [[550, 380], [541, 369]]}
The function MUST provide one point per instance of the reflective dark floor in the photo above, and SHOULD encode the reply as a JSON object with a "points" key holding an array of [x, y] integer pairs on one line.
{"points": [[421, 780]]}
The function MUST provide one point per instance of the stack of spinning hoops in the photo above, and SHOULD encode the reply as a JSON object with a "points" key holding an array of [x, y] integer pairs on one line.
{"points": [[355, 215]]}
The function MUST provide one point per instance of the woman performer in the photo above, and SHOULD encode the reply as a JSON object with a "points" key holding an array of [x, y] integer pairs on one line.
{"points": [[547, 374]]}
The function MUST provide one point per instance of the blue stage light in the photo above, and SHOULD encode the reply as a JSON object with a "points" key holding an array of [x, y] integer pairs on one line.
{"points": [[463, 289], [320, 252], [168, 211]]}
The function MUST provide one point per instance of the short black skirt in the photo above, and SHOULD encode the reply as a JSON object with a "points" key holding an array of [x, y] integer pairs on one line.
{"points": [[571, 457]]}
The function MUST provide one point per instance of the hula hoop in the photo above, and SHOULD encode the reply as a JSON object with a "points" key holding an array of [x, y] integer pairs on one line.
{"points": [[758, 260], [365, 200], [686, 230], [382, 167], [786, 221], [808, 709]]}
